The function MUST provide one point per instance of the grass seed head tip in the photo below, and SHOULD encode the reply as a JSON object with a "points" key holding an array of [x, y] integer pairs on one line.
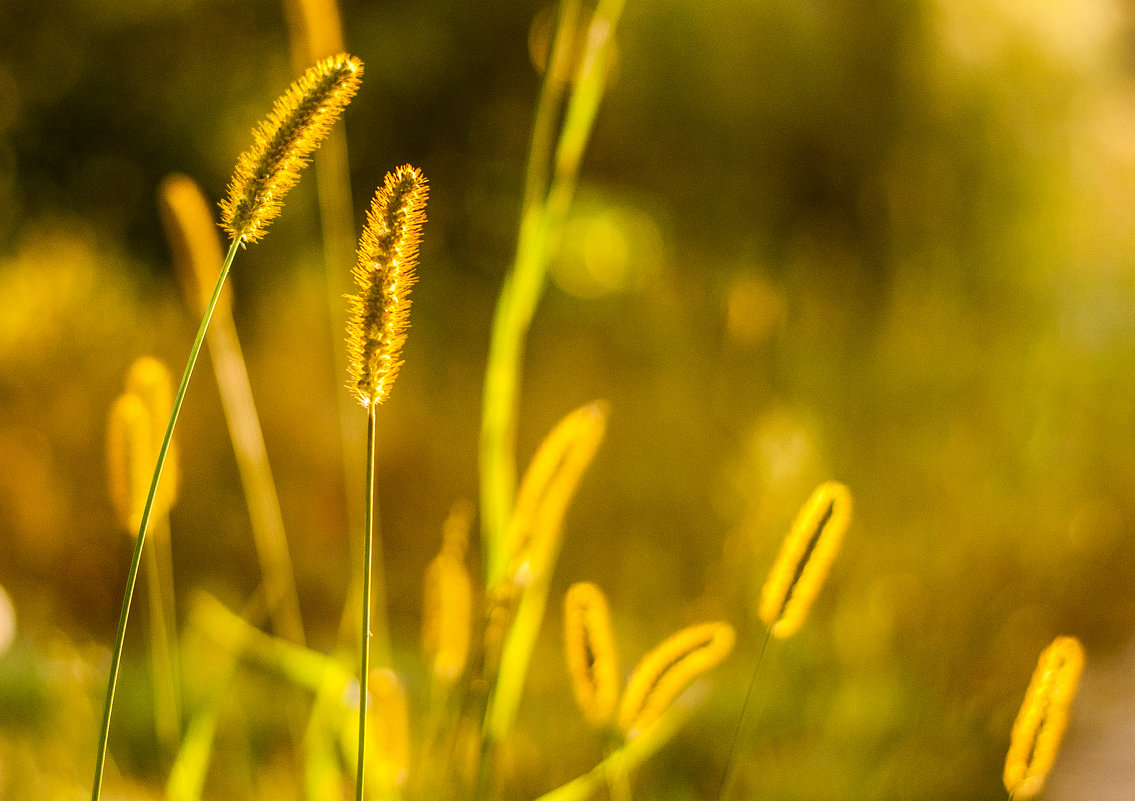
{"points": [[668, 670], [379, 312], [1043, 717], [589, 648], [283, 143], [805, 558]]}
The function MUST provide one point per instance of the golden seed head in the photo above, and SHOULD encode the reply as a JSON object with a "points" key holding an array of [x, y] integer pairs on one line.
{"points": [[128, 451], [666, 671], [1043, 716], [804, 560], [150, 381], [589, 647], [192, 233], [379, 314], [547, 488], [447, 602], [283, 143]]}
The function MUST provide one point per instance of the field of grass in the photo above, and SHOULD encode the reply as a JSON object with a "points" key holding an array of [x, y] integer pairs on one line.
{"points": [[681, 264]]}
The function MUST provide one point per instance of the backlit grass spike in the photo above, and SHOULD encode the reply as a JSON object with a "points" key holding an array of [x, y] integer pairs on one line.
{"points": [[379, 314], [589, 648], [804, 559], [1043, 716], [666, 671], [548, 487], [283, 143]]}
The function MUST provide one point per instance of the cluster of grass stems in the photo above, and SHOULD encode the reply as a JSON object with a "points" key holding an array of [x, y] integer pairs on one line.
{"points": [[477, 645]]}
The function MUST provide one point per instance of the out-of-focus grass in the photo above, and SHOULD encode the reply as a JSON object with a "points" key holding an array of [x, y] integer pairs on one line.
{"points": [[887, 244]]}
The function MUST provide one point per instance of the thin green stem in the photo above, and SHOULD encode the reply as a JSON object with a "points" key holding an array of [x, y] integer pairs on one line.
{"points": [[517, 304], [729, 777], [136, 559], [367, 553]]}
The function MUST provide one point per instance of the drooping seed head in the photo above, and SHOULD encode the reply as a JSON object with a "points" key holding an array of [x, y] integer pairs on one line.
{"points": [[379, 314], [192, 234], [666, 671], [283, 143], [805, 558], [589, 647], [1043, 716], [549, 484]]}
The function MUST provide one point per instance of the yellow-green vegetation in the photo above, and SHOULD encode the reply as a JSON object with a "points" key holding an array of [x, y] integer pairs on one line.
{"points": [[682, 267]]}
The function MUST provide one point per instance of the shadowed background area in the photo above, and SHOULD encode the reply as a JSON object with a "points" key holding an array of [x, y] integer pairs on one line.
{"points": [[887, 243]]}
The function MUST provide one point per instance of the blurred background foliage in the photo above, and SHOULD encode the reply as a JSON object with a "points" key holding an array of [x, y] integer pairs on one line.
{"points": [[889, 243]]}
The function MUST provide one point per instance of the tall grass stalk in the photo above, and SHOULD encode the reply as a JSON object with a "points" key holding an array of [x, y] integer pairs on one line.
{"points": [[282, 145], [136, 559], [379, 316], [368, 546], [744, 726], [543, 214]]}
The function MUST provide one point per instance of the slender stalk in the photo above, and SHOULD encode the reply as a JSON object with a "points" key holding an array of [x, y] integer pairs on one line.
{"points": [[514, 311], [541, 224], [367, 553], [729, 777], [136, 559]]}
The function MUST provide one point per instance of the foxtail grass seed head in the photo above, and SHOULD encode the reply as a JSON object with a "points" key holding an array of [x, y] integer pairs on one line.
{"points": [[128, 451], [589, 647], [447, 602], [151, 381], [548, 486], [283, 143], [192, 234], [804, 559], [1043, 717], [666, 671], [379, 314]]}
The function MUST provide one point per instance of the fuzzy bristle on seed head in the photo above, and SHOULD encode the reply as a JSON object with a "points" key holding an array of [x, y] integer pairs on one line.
{"points": [[379, 314], [1043, 716], [283, 143], [589, 647], [669, 669], [804, 560]]}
